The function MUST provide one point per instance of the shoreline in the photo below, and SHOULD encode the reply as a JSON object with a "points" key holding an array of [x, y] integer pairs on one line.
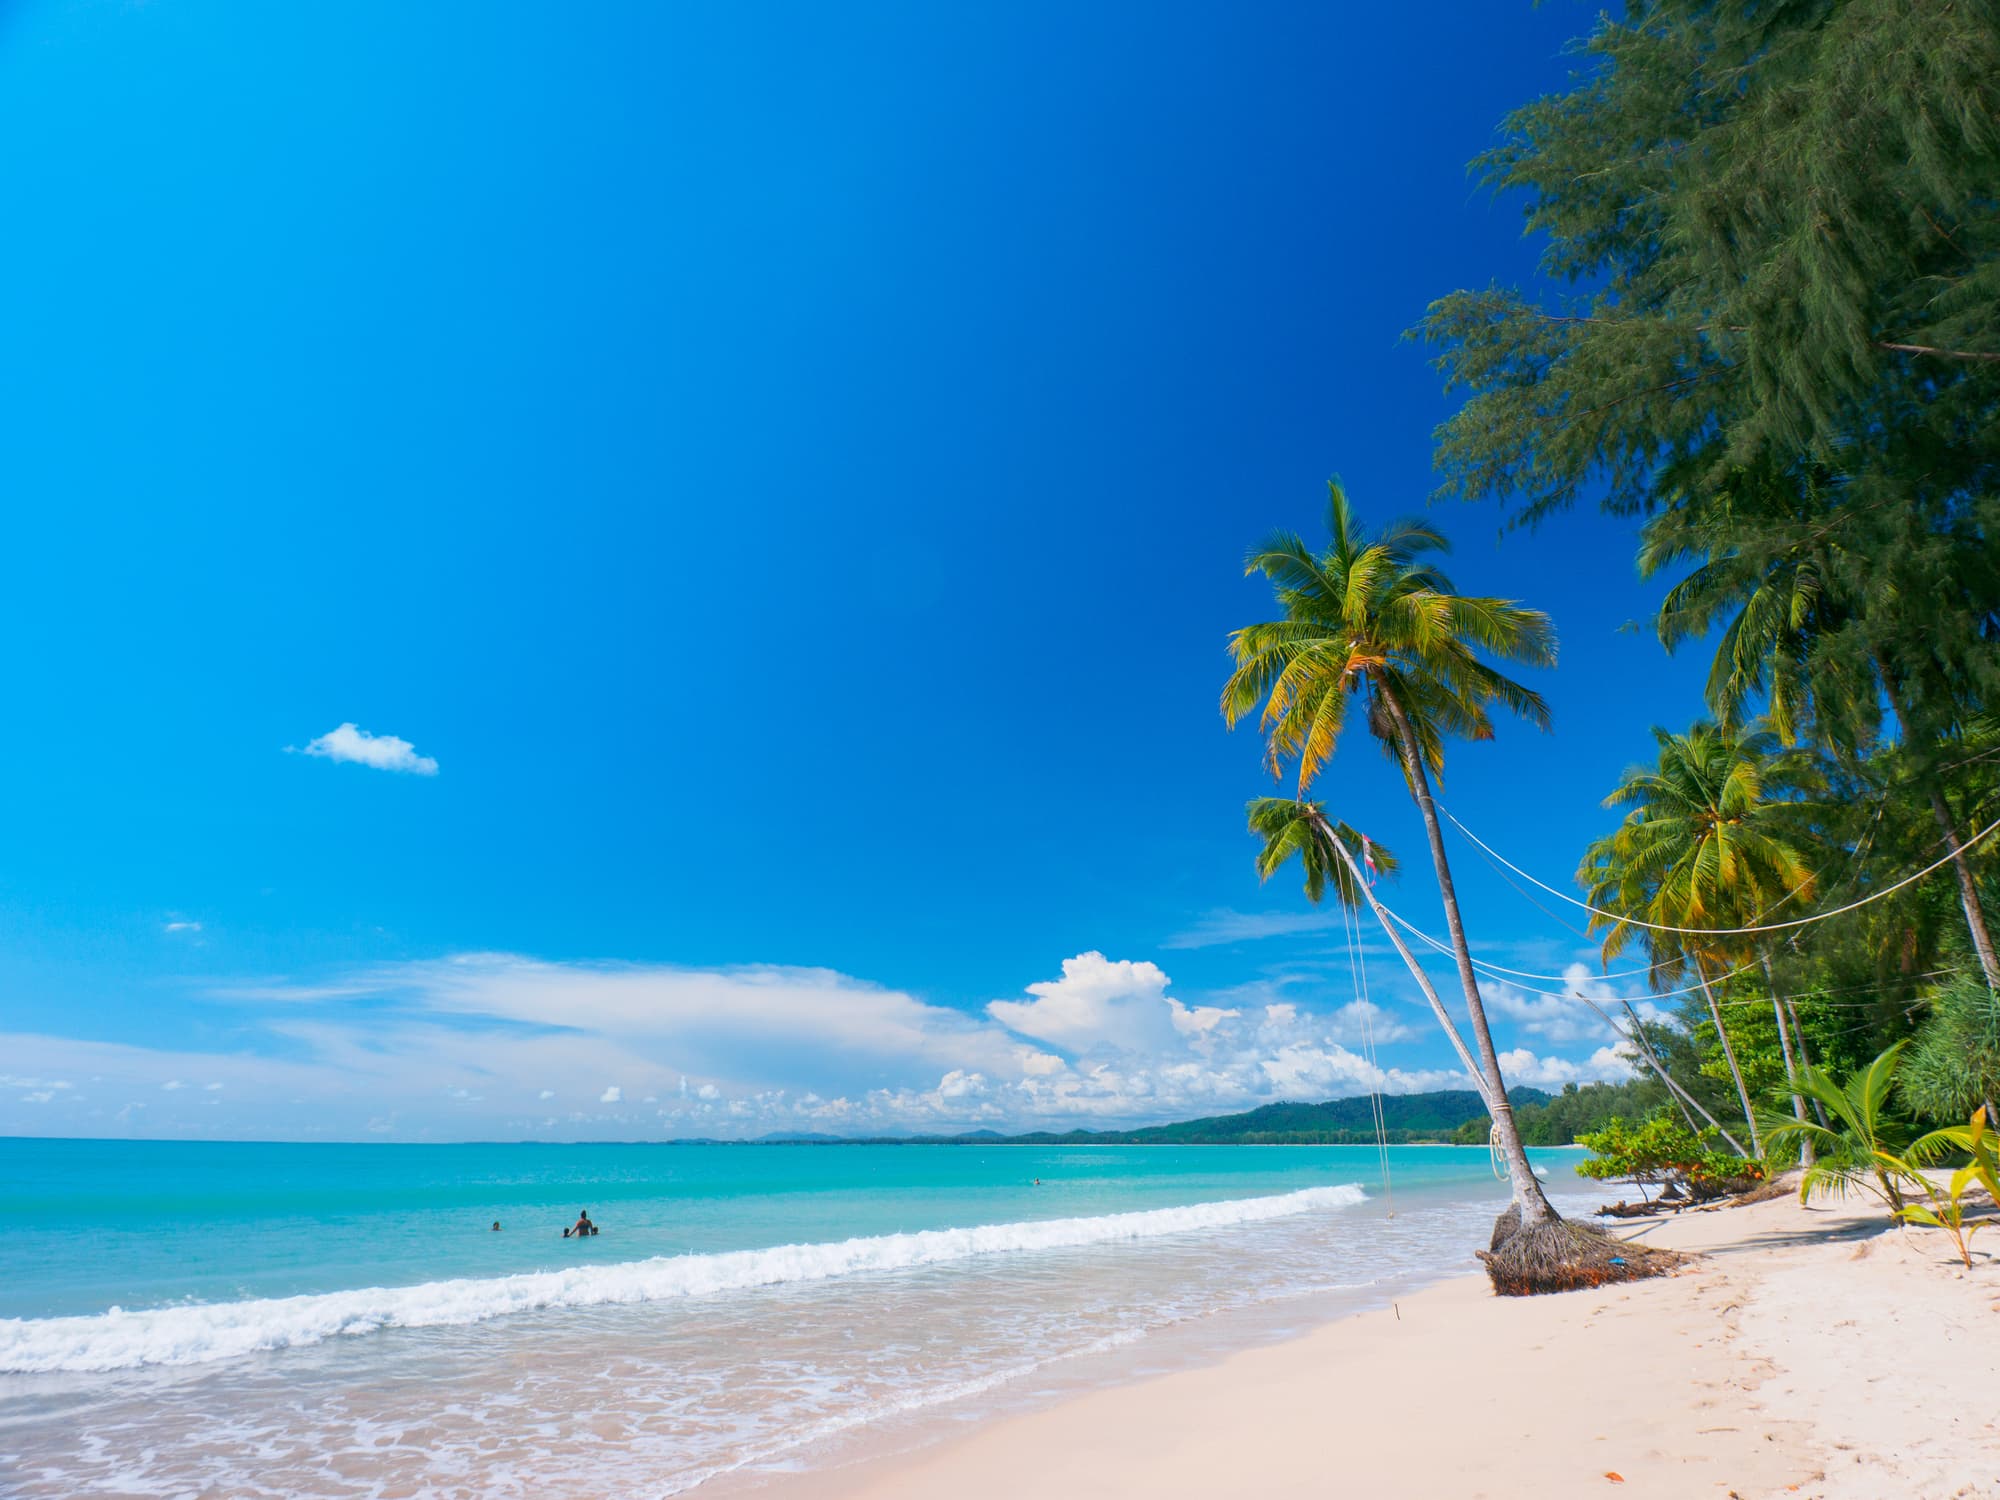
{"points": [[1813, 1352]]}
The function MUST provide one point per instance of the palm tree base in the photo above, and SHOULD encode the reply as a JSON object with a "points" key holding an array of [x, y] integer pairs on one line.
{"points": [[1559, 1255]]}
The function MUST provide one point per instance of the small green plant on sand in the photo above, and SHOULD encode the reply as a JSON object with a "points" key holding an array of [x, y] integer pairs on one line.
{"points": [[1662, 1150], [1946, 1209], [1862, 1145]]}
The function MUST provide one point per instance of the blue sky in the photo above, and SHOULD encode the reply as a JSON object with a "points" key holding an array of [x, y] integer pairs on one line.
{"points": [[787, 468]]}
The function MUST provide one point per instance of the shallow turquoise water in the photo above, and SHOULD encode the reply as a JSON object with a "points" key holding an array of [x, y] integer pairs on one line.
{"points": [[142, 1223], [308, 1322]]}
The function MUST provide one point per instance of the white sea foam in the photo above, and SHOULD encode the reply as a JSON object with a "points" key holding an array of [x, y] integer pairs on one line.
{"points": [[199, 1333]]}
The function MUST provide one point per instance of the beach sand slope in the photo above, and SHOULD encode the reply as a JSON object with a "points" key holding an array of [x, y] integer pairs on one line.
{"points": [[1809, 1352]]}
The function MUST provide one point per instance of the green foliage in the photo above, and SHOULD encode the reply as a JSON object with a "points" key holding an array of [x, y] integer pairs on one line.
{"points": [[1953, 1066], [1715, 837], [1374, 620], [1781, 222], [1946, 1208], [1781, 347], [1659, 1149], [1865, 1145], [1292, 826]]}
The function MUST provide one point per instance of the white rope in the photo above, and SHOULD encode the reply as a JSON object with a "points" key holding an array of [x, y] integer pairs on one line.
{"points": [[1374, 1068], [1494, 971], [1357, 967], [1725, 931]]}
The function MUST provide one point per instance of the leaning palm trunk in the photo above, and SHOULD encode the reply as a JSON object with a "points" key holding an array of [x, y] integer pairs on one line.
{"points": [[1729, 1055], [1529, 1198], [1778, 1006], [1410, 961]]}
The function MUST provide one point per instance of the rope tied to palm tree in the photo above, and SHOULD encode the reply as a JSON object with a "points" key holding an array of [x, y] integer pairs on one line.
{"points": [[1911, 879]]}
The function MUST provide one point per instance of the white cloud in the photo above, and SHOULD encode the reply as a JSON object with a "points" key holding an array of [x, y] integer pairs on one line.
{"points": [[171, 1084], [470, 1045], [1523, 1066], [1566, 1018], [181, 927], [1100, 1005], [1213, 929], [383, 752], [1361, 1021]]}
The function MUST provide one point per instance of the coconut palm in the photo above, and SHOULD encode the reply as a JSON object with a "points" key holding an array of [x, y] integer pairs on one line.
{"points": [[1373, 623], [1712, 840], [1807, 618]]}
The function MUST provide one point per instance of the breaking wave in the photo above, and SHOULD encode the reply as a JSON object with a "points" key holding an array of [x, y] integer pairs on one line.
{"points": [[202, 1332]]}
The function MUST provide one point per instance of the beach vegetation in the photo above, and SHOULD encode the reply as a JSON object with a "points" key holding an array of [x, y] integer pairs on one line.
{"points": [[1953, 1065], [1659, 1150], [1715, 837], [1867, 1144], [1771, 251], [1946, 1207]]}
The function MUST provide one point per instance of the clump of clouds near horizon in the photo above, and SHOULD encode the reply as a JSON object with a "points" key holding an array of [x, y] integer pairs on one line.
{"points": [[356, 746], [485, 1045]]}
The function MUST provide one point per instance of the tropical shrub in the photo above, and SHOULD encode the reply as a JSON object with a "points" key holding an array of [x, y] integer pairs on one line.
{"points": [[1662, 1150], [1953, 1066], [1863, 1146]]}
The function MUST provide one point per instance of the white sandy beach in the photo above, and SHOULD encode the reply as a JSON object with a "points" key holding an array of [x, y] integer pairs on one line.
{"points": [[1808, 1352]]}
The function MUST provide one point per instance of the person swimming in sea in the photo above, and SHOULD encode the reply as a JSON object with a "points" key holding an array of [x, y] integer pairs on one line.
{"points": [[496, 1224], [582, 1226]]}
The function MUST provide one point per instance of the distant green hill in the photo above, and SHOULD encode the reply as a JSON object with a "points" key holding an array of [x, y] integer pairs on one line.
{"points": [[1405, 1118], [1450, 1115]]}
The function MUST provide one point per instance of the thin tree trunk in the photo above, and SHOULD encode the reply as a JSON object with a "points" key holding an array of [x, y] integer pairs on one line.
{"points": [[1785, 1045], [1534, 1203], [1968, 888], [1805, 1057], [1729, 1054]]}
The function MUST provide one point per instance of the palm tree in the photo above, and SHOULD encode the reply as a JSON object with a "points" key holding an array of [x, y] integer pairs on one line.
{"points": [[1372, 621], [1709, 842], [1808, 620]]}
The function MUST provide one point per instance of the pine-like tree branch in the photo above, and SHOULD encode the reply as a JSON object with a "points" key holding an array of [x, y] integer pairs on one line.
{"points": [[1932, 350]]}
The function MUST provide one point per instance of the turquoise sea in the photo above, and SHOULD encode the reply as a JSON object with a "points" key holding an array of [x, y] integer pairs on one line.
{"points": [[341, 1320]]}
